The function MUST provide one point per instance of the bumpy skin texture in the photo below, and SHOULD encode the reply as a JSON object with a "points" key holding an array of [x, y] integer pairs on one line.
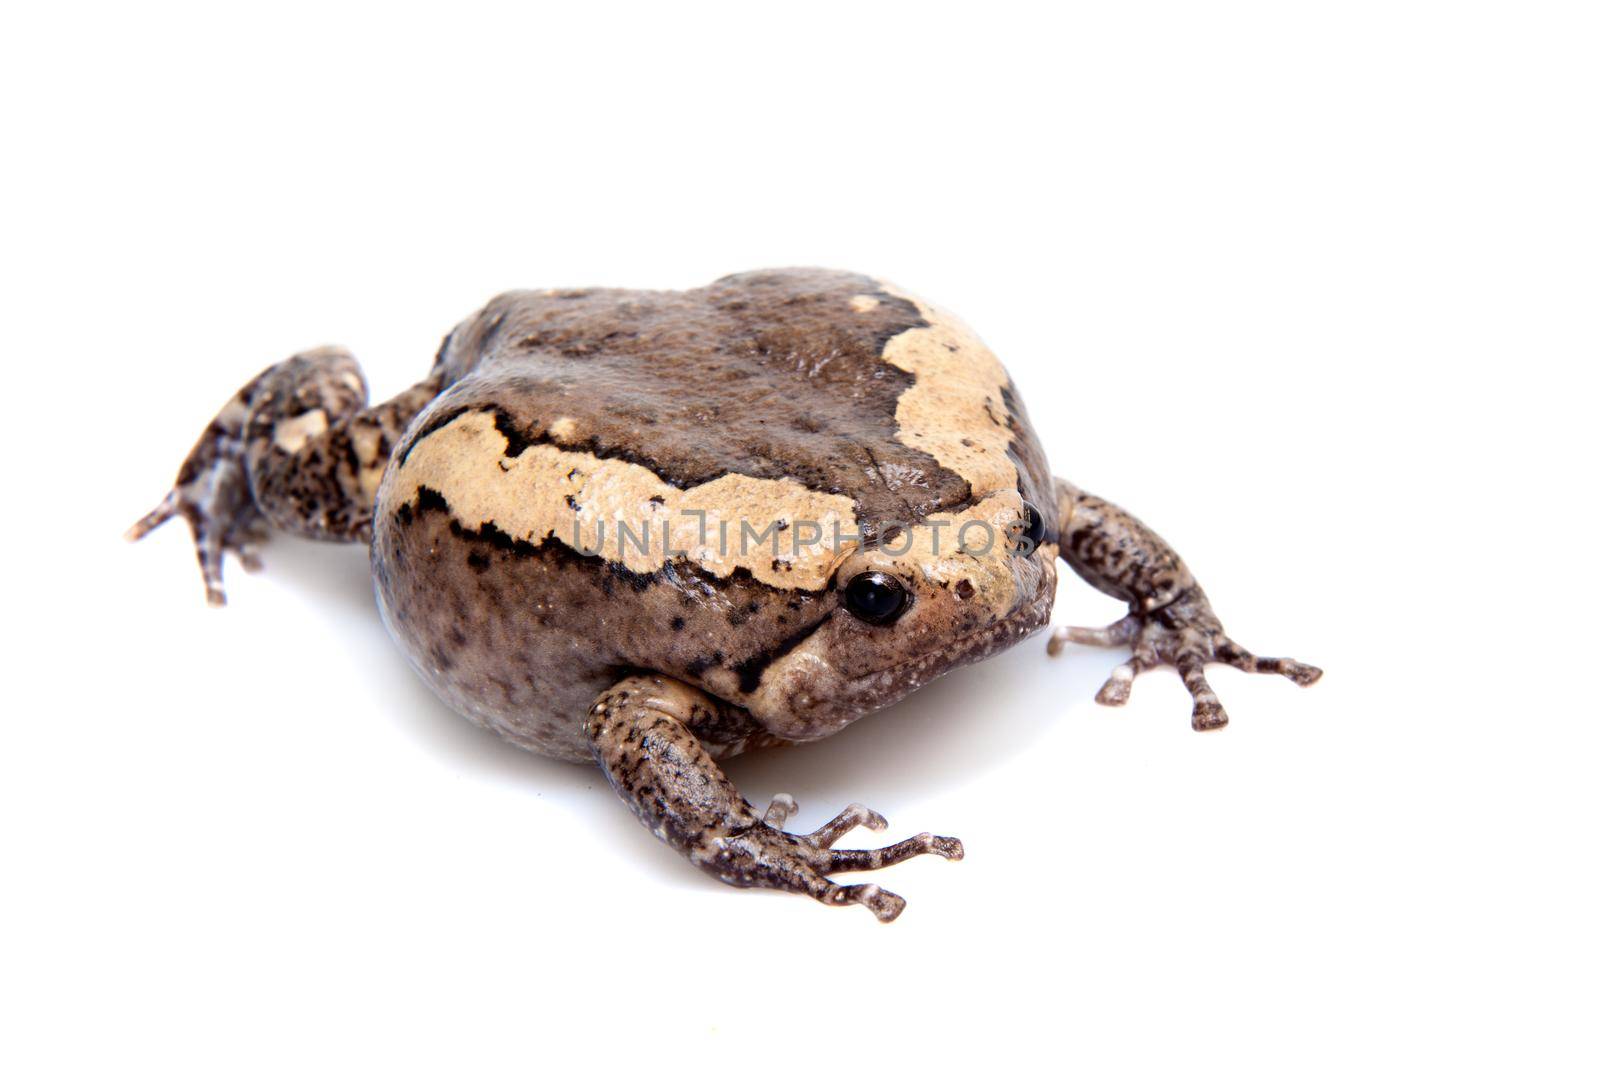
{"points": [[789, 398]]}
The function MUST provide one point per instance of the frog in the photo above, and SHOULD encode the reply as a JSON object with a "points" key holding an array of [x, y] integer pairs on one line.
{"points": [[654, 529]]}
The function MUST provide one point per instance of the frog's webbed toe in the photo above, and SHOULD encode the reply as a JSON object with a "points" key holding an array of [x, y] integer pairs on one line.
{"points": [[643, 733], [1184, 634]]}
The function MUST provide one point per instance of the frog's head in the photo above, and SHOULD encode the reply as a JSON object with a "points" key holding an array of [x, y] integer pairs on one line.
{"points": [[957, 588]]}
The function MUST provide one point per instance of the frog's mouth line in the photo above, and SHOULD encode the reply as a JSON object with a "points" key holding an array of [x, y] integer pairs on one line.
{"points": [[996, 638]]}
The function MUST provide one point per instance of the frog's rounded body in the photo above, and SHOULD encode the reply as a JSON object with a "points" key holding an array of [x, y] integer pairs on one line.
{"points": [[652, 529], [765, 401]]}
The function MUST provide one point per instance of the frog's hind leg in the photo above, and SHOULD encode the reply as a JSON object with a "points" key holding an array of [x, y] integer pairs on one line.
{"points": [[1169, 619], [296, 449], [650, 735]]}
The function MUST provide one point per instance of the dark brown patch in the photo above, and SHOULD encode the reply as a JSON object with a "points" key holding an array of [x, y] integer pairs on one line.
{"points": [[751, 670]]}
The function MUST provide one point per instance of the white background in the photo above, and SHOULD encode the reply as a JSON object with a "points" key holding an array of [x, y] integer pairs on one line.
{"points": [[1310, 288]]}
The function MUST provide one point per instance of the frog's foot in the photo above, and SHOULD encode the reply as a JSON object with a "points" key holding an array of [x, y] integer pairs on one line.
{"points": [[764, 855], [643, 733], [296, 449], [1169, 619], [213, 496], [1184, 634]]}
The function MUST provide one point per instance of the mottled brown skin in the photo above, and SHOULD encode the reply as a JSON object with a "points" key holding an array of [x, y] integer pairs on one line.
{"points": [[236, 482], [1169, 619], [783, 377], [650, 736]]}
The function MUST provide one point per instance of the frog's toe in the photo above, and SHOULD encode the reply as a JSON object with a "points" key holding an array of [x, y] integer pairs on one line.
{"points": [[1186, 635], [783, 805], [1301, 674], [249, 558], [222, 518], [1191, 664], [871, 859], [1208, 713], [765, 855], [851, 817], [155, 517], [1115, 692], [1118, 635], [885, 905]]}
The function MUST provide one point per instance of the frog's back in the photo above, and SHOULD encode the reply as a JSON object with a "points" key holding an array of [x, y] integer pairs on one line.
{"points": [[770, 374]]}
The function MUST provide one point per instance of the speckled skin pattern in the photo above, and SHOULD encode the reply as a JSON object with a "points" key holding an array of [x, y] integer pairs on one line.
{"points": [[493, 493]]}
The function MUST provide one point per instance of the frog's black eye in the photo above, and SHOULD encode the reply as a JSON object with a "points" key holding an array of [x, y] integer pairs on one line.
{"points": [[875, 597], [1033, 528]]}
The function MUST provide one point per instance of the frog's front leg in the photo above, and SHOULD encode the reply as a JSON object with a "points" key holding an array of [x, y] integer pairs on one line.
{"points": [[654, 737], [296, 449], [1169, 619]]}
